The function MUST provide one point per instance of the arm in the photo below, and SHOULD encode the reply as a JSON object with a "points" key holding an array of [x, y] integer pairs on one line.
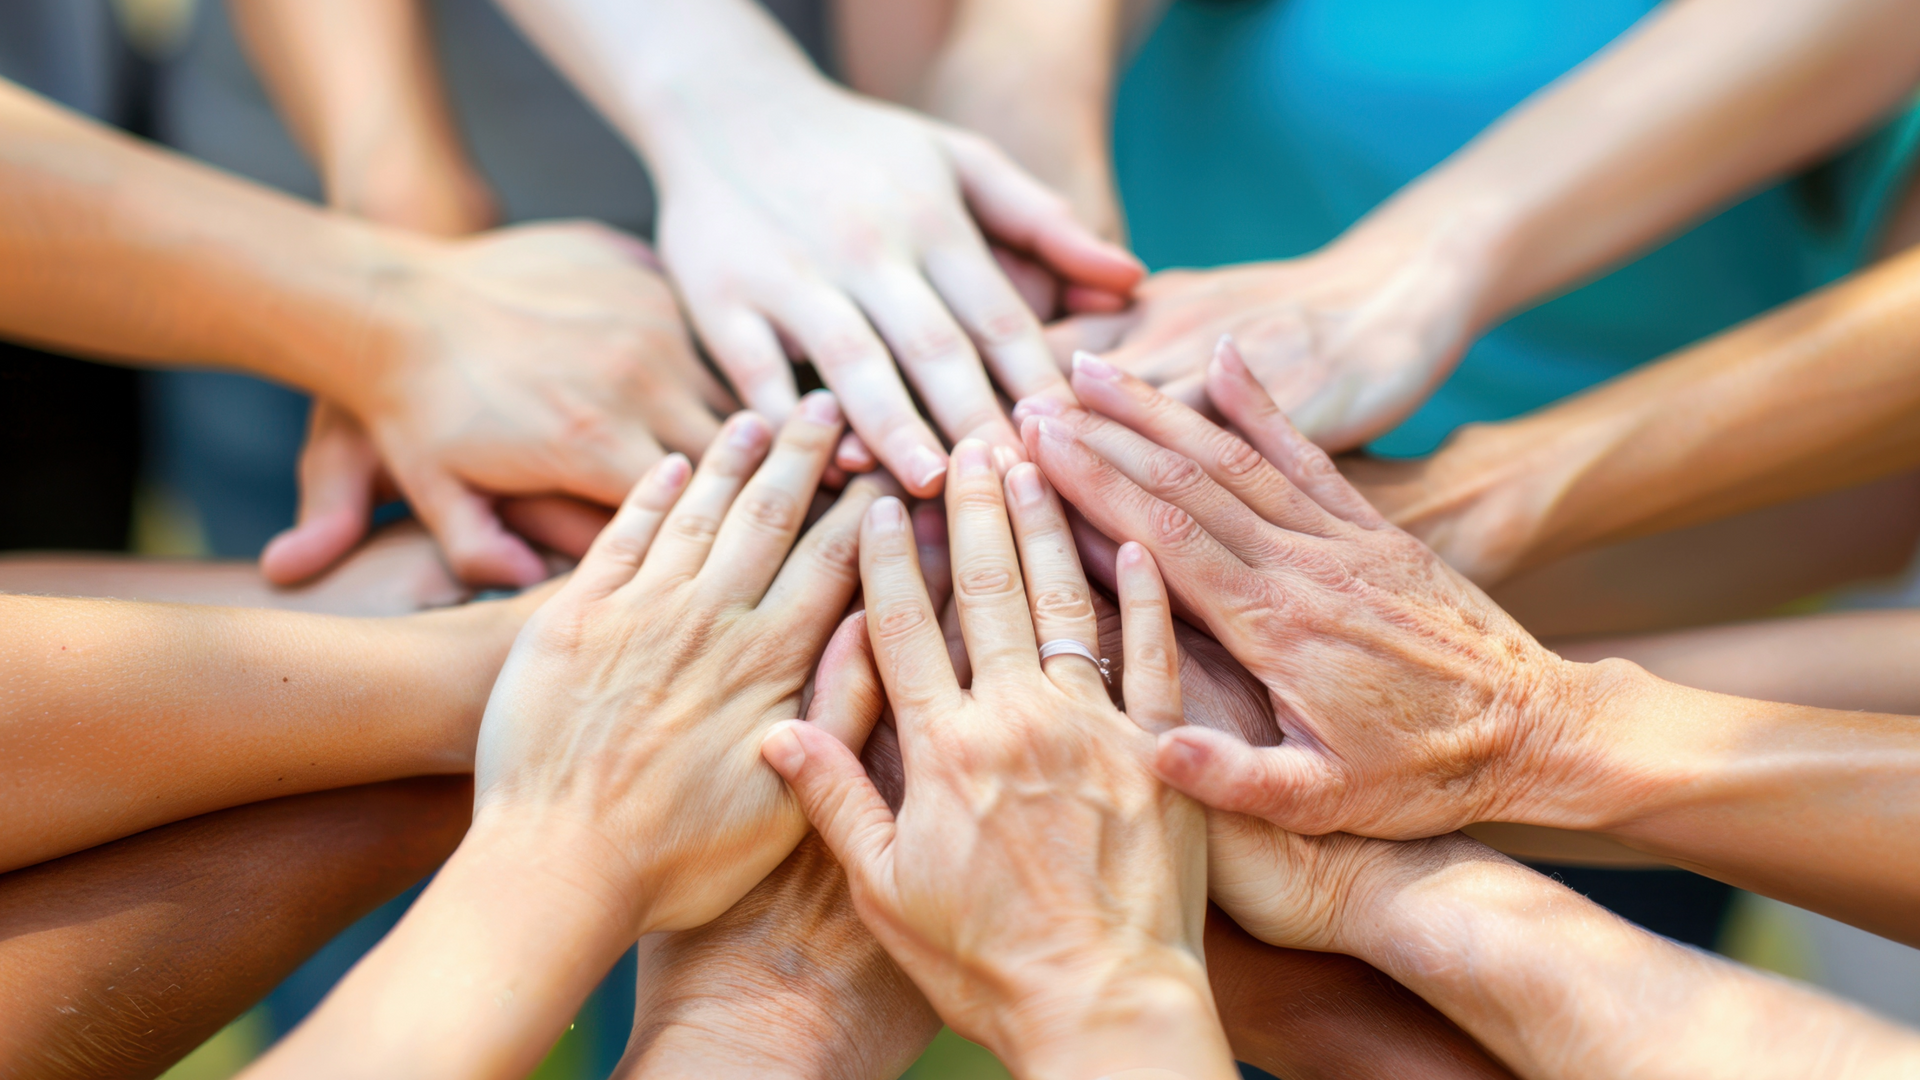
{"points": [[618, 790], [441, 351], [1815, 397], [791, 208], [1701, 101], [359, 85], [1324, 601], [1552, 983], [120, 717], [118, 960]]}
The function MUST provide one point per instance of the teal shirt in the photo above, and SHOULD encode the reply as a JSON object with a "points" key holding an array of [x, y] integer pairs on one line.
{"points": [[1261, 129]]}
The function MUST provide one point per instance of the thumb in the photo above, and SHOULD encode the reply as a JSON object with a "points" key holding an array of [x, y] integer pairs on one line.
{"points": [[1290, 786], [837, 797], [847, 698], [338, 470], [478, 547]]}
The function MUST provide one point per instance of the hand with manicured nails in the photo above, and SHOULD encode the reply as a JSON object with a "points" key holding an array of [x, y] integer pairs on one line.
{"points": [[538, 360], [619, 786], [1039, 884], [1409, 703]]}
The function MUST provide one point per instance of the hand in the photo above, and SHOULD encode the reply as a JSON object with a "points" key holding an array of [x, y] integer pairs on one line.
{"points": [[537, 360], [1349, 340], [1409, 703], [848, 229], [672, 663], [1041, 888]]}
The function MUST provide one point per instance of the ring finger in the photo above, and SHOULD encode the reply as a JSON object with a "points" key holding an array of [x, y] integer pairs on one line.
{"points": [[1057, 591]]}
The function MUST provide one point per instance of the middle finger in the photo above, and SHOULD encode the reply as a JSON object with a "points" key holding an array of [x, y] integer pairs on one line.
{"points": [[987, 587]]}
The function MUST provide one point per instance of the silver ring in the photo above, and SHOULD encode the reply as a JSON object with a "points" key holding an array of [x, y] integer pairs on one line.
{"points": [[1070, 647]]}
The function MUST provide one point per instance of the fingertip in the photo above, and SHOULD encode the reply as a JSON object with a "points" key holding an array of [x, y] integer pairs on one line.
{"points": [[1088, 300], [1183, 755], [821, 407], [1038, 405], [311, 547], [924, 473], [853, 455], [783, 749], [887, 514]]}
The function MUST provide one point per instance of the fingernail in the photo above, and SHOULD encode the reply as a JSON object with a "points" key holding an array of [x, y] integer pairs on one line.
{"points": [[970, 459], [1037, 405], [673, 471], [783, 750], [1005, 458], [925, 466], [1023, 482], [821, 408], [748, 431], [1130, 554], [1085, 363], [1054, 430], [1181, 753], [887, 513]]}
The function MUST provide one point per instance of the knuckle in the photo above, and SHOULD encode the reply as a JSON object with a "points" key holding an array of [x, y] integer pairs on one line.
{"points": [[1239, 460], [693, 528], [1063, 602], [985, 582], [842, 350], [838, 549], [894, 622], [773, 510], [1154, 657], [933, 345], [625, 548], [1004, 326], [1173, 474], [1172, 527]]}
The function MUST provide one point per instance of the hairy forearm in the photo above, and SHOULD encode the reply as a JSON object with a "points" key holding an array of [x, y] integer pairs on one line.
{"points": [[1559, 987], [1812, 806], [116, 249], [118, 960], [1308, 1015], [1702, 101], [120, 716]]}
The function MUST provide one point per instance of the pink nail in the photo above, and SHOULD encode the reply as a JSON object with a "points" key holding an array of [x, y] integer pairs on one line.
{"points": [[1085, 363], [925, 465], [887, 513], [970, 458], [748, 432], [1024, 483], [821, 408]]}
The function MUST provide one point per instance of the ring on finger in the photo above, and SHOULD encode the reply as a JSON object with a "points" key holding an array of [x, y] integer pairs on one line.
{"points": [[1070, 647]]}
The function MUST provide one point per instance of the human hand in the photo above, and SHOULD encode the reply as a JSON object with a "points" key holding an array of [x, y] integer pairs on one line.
{"points": [[1409, 703], [858, 233], [538, 360], [1041, 888], [787, 983], [1349, 340], [679, 640]]}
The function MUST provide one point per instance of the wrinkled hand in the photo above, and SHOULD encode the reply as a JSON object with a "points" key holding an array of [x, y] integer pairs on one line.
{"points": [[1409, 704], [631, 708], [856, 233], [1349, 341], [1037, 883], [538, 360]]}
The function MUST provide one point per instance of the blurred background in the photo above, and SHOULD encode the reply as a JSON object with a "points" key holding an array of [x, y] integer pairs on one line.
{"points": [[198, 464]]}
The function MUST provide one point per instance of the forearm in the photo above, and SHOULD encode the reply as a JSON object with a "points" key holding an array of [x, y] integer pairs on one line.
{"points": [[1311, 1015], [651, 67], [359, 85], [1108, 1021], [213, 912], [120, 717], [485, 971], [1816, 397], [1558, 987], [1702, 101], [117, 249], [1860, 660], [1811, 806]]}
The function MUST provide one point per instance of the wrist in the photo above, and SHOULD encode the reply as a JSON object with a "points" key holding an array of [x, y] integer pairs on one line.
{"points": [[567, 862], [1613, 757], [462, 649], [1151, 1012]]}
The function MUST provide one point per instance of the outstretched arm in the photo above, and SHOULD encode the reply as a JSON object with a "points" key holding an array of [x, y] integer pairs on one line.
{"points": [[118, 960], [1699, 102], [1815, 397], [120, 717]]}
